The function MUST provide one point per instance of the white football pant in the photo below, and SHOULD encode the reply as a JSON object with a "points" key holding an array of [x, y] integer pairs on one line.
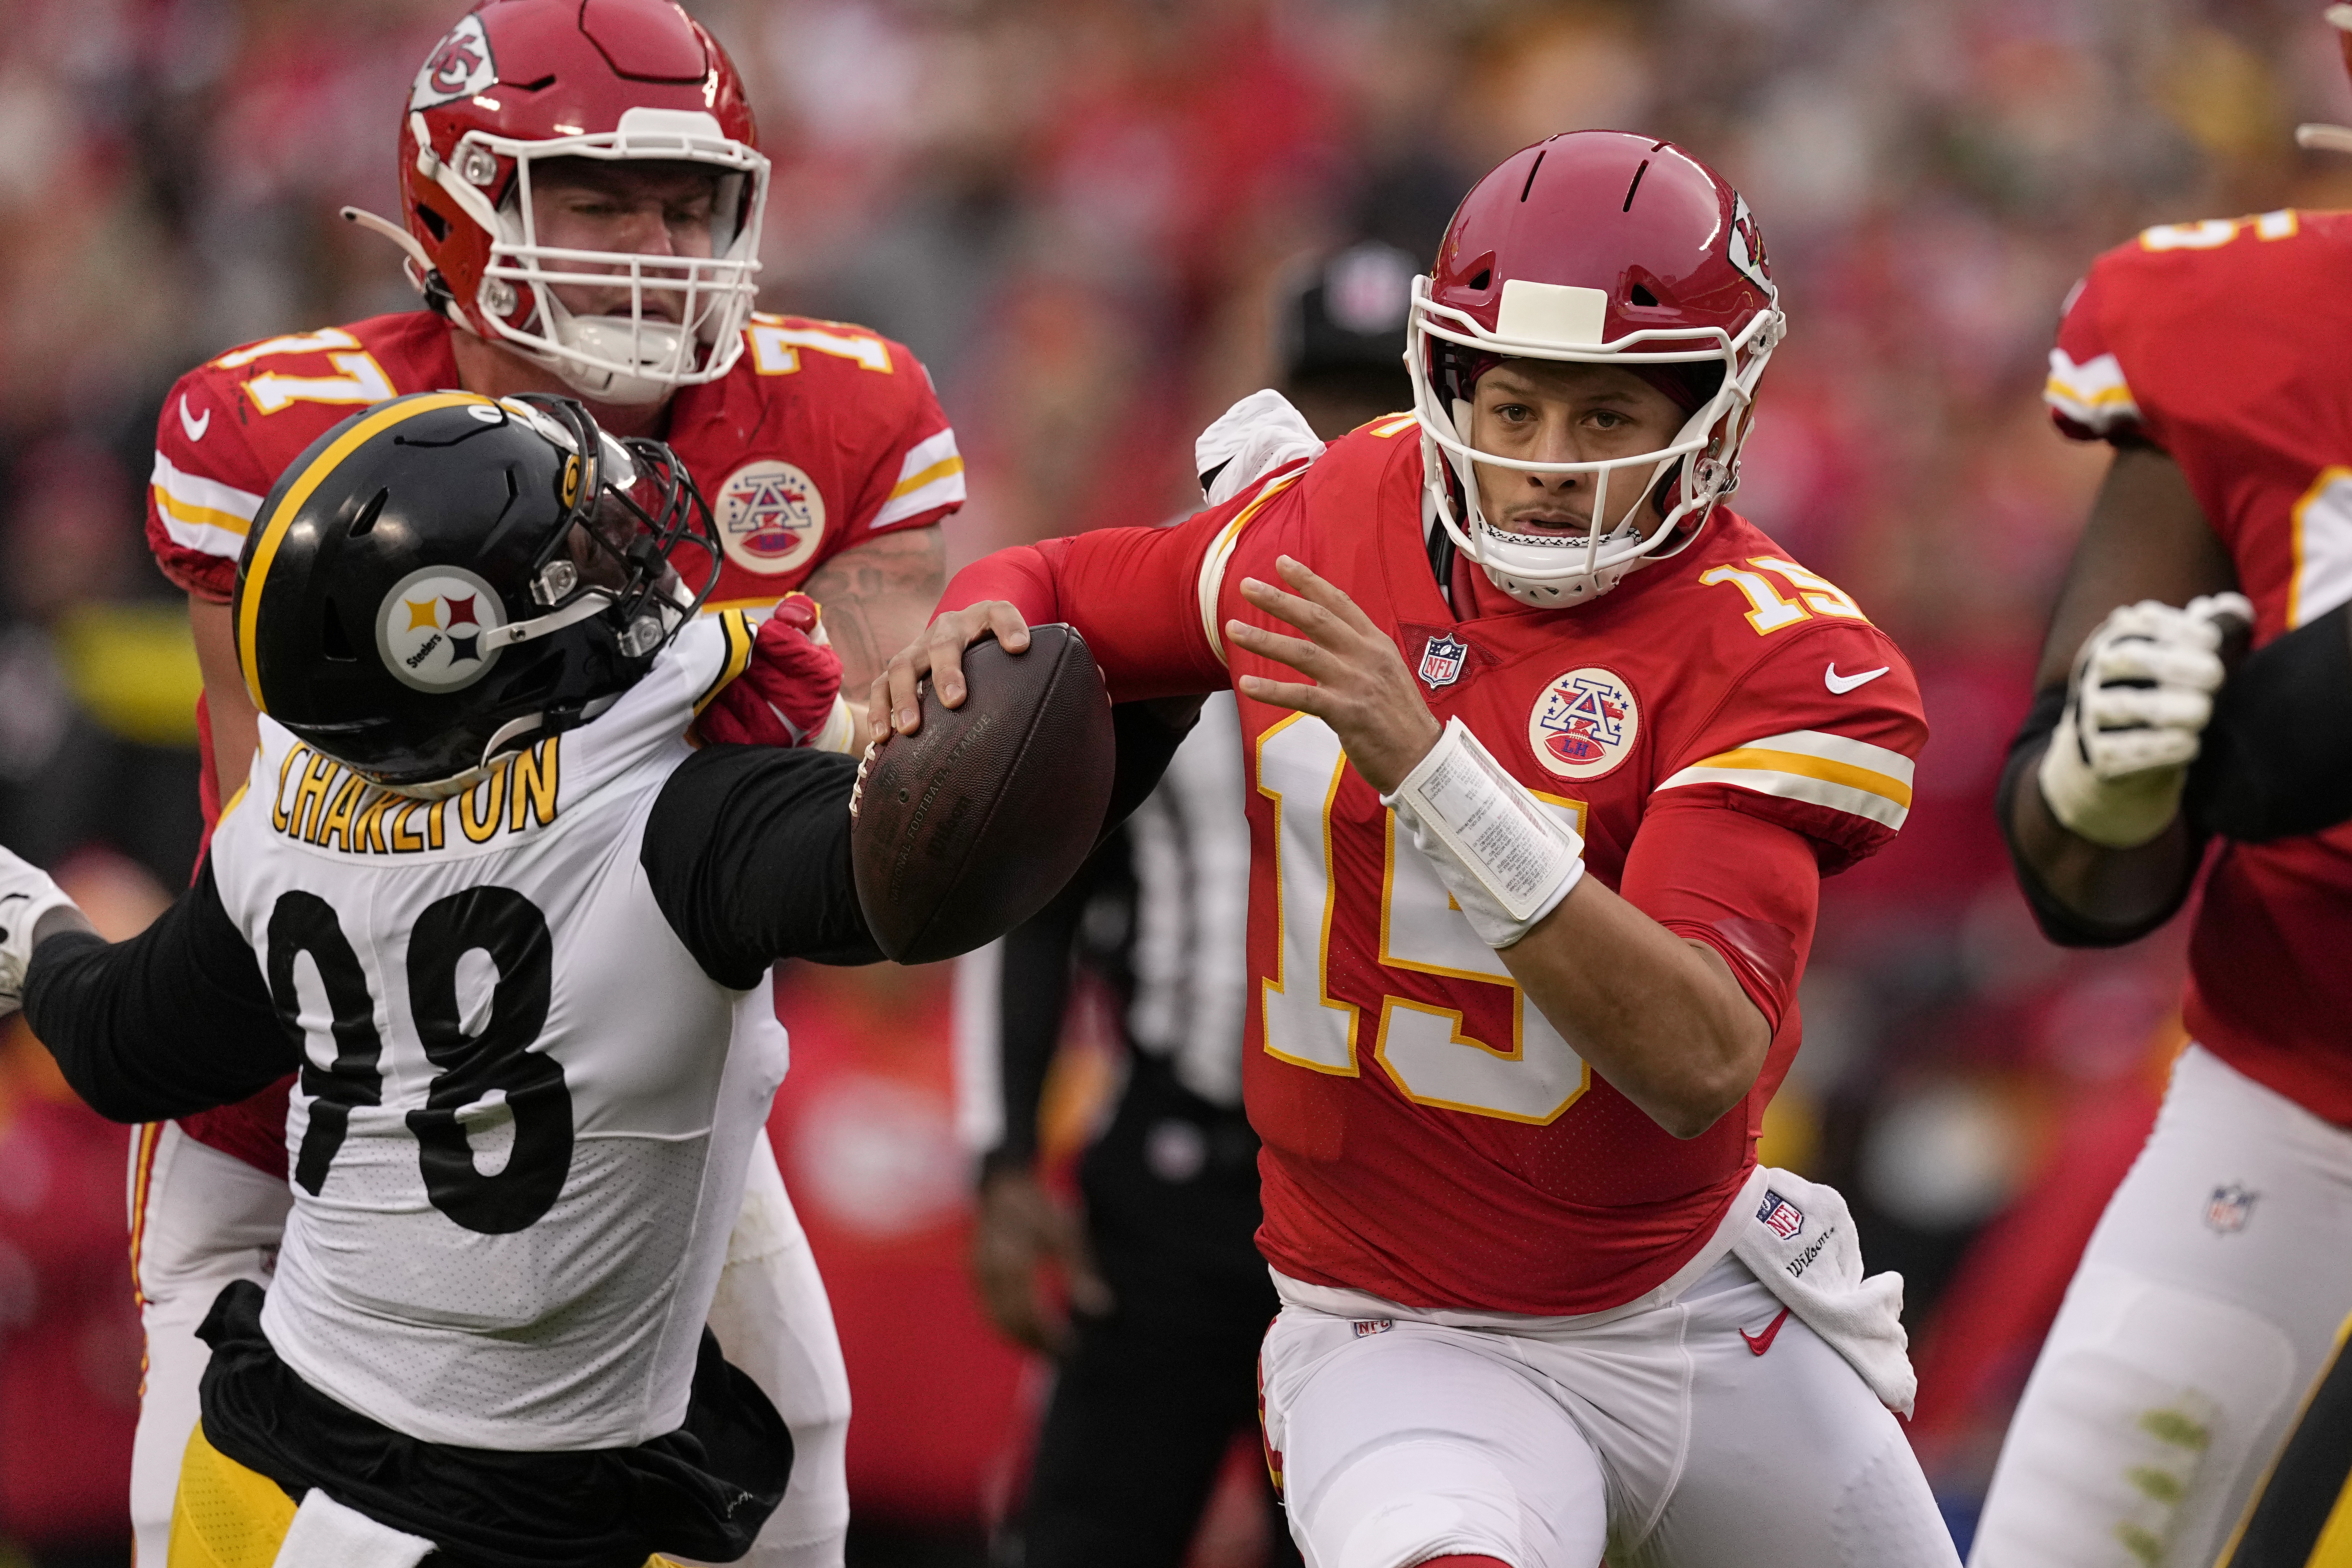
{"points": [[1666, 1437], [209, 1218], [2204, 1308]]}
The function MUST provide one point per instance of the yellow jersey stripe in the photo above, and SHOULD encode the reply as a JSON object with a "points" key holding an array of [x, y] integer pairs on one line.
{"points": [[937, 470], [273, 533], [1759, 760], [172, 507], [740, 637]]}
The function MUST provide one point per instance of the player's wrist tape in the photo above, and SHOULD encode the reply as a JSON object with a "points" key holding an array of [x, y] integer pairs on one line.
{"points": [[2115, 813], [1507, 860], [839, 731]]}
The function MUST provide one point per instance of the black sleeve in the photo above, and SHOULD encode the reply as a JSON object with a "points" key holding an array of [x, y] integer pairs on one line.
{"points": [[2277, 757], [748, 852], [1033, 994], [1146, 744], [176, 1020], [2061, 923]]}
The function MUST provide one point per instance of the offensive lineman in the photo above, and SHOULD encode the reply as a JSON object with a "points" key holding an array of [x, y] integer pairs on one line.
{"points": [[1538, 1299], [2209, 1298], [516, 935], [548, 156]]}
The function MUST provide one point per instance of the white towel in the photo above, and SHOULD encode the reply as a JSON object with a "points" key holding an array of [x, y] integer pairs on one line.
{"points": [[1798, 1237], [326, 1534], [1248, 441]]}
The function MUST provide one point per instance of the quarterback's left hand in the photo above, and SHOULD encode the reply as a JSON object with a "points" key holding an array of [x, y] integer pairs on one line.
{"points": [[790, 694], [1362, 687], [28, 898]]}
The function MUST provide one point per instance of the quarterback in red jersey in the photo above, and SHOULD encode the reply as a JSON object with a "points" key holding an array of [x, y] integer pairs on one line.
{"points": [[582, 192], [1540, 801], [2210, 356]]}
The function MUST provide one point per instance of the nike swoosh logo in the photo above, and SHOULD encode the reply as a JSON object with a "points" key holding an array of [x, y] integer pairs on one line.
{"points": [[1759, 1343], [194, 428], [1841, 684]]}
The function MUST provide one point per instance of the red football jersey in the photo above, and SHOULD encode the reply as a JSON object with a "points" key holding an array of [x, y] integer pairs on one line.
{"points": [[1430, 1138], [822, 436], [2224, 344]]}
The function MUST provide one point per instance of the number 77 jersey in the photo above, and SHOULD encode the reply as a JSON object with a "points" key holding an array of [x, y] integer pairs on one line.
{"points": [[1719, 727]]}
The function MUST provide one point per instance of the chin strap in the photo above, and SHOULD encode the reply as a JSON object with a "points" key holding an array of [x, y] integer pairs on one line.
{"points": [[422, 275]]}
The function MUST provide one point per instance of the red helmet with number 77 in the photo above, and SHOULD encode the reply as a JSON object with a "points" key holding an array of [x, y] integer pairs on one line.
{"points": [[1609, 249], [516, 83]]}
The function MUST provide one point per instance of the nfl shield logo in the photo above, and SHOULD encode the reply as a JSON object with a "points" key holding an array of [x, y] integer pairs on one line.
{"points": [[2229, 1209], [1441, 661], [1785, 1217], [1367, 1327]]}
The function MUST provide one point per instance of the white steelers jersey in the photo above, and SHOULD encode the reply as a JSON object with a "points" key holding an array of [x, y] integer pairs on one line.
{"points": [[518, 1138]]}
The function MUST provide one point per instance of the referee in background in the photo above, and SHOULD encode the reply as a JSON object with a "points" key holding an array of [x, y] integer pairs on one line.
{"points": [[1168, 1296]]}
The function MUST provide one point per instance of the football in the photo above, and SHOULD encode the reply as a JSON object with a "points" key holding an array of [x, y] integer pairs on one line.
{"points": [[971, 824]]}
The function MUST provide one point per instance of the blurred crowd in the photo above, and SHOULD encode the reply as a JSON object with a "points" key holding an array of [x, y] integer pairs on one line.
{"points": [[1076, 212]]}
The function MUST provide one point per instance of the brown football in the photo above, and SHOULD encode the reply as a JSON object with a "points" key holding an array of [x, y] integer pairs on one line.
{"points": [[971, 824]]}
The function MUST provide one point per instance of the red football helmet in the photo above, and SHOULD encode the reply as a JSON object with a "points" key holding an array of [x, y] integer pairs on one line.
{"points": [[519, 81], [1604, 248], [2334, 138]]}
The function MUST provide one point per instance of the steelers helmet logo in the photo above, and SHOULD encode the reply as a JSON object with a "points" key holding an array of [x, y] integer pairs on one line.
{"points": [[430, 627], [770, 516], [1583, 724]]}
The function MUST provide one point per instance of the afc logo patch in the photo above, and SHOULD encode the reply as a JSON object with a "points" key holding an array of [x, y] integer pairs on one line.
{"points": [[2229, 1209], [1786, 1219], [429, 628], [459, 67], [1441, 660], [1584, 723], [770, 516]]}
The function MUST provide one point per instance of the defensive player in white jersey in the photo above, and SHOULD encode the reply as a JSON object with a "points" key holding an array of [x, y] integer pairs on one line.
{"points": [[515, 935], [582, 191]]}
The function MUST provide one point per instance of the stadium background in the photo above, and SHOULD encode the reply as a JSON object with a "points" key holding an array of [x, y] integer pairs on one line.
{"points": [[1075, 211]]}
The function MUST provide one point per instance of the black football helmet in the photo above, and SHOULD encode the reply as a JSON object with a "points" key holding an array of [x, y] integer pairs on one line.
{"points": [[445, 576]]}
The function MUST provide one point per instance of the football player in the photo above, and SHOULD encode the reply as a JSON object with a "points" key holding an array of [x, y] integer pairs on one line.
{"points": [[2207, 1301], [516, 935], [582, 195], [1541, 800], [1158, 1367]]}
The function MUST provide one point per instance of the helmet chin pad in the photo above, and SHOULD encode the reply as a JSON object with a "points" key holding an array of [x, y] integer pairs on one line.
{"points": [[656, 347]]}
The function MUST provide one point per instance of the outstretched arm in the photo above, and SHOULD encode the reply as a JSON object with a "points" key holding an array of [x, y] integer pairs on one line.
{"points": [[877, 596]]}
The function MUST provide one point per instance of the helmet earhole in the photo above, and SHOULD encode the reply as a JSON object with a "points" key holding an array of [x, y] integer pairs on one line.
{"points": [[1483, 277], [434, 222], [1642, 296]]}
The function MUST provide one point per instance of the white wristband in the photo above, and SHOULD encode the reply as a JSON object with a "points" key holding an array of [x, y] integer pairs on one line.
{"points": [[840, 730], [1506, 859]]}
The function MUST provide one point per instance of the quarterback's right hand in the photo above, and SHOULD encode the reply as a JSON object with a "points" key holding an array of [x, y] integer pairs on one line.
{"points": [[939, 654], [28, 896], [2137, 707]]}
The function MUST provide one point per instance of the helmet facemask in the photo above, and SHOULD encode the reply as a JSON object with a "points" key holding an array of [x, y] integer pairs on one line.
{"points": [[1644, 504], [632, 359]]}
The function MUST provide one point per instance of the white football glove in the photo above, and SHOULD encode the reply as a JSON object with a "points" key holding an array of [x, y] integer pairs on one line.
{"points": [[2137, 707], [27, 894], [1249, 441], [1507, 860]]}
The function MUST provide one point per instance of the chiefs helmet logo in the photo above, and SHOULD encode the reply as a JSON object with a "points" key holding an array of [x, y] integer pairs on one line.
{"points": [[1583, 724], [459, 67], [1746, 248]]}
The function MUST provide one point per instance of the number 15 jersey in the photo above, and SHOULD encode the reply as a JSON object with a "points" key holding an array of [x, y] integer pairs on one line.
{"points": [[1719, 727]]}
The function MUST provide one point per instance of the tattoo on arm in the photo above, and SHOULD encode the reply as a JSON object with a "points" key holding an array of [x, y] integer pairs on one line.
{"points": [[876, 596]]}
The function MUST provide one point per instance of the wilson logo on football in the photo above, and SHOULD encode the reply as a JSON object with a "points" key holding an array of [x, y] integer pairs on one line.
{"points": [[770, 516], [430, 629], [1584, 723], [461, 67]]}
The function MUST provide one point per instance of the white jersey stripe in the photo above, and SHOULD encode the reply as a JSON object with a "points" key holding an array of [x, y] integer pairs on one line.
{"points": [[1220, 555], [947, 489], [201, 514], [1865, 803]]}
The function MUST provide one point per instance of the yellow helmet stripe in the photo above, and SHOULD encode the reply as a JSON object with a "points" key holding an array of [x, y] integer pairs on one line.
{"points": [[273, 532]]}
